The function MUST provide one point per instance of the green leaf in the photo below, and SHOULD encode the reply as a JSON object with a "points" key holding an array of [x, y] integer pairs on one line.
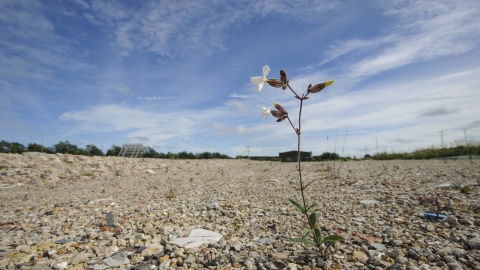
{"points": [[298, 206], [308, 184], [310, 207], [318, 237], [312, 220], [306, 231], [333, 238], [303, 240]]}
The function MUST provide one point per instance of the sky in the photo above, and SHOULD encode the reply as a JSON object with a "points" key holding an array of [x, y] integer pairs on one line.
{"points": [[175, 75]]}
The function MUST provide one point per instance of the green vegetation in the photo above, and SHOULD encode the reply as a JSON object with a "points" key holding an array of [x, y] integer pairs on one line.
{"points": [[91, 150], [473, 149]]}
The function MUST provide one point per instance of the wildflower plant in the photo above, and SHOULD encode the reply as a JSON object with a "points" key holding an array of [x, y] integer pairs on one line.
{"points": [[311, 235]]}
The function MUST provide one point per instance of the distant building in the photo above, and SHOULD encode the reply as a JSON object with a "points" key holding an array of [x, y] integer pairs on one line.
{"points": [[290, 156], [131, 150]]}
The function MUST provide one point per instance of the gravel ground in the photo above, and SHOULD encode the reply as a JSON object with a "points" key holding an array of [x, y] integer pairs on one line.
{"points": [[54, 207]]}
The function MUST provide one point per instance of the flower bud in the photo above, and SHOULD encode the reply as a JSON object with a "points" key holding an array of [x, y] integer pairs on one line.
{"points": [[278, 107], [284, 79], [319, 87], [275, 83], [276, 114]]}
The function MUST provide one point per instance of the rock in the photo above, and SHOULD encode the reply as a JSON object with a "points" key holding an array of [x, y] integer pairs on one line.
{"points": [[395, 266], [116, 260], [360, 256], [61, 265], [451, 220], [197, 238], [474, 243], [394, 253], [77, 267], [369, 202], [401, 260], [40, 267], [63, 241], [378, 247], [164, 258]]}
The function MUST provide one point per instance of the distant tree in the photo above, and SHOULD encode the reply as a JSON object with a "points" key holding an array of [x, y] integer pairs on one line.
{"points": [[149, 152], [65, 148], [34, 147], [12, 147], [93, 150], [114, 150], [329, 156]]}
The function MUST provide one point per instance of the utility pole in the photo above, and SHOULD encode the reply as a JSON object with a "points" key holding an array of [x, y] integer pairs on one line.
{"points": [[466, 144], [441, 138], [376, 142], [248, 150], [41, 134]]}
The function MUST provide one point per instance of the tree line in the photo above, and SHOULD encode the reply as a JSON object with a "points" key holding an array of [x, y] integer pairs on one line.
{"points": [[65, 147]]}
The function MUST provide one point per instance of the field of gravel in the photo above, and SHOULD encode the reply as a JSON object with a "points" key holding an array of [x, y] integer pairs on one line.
{"points": [[53, 213]]}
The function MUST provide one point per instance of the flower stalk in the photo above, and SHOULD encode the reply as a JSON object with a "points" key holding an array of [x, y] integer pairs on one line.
{"points": [[309, 211]]}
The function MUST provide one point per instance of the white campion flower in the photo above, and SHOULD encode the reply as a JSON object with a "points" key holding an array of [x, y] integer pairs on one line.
{"points": [[260, 80], [265, 111]]}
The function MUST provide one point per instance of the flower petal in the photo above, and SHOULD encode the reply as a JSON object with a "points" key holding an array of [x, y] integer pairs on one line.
{"points": [[266, 70], [257, 80], [259, 87], [265, 111]]}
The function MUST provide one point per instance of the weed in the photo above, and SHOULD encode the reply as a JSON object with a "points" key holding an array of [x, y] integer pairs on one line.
{"points": [[171, 193], [464, 189], [191, 179], [308, 210]]}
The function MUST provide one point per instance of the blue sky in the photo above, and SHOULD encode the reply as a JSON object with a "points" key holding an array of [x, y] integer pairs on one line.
{"points": [[175, 75]]}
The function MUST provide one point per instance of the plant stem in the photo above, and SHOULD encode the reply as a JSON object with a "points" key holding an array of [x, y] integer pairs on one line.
{"points": [[300, 169]]}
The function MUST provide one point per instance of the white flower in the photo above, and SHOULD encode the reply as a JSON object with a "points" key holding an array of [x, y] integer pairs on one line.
{"points": [[260, 80], [265, 111]]}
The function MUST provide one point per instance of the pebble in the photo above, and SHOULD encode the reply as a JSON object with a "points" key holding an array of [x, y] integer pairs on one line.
{"points": [[53, 214]]}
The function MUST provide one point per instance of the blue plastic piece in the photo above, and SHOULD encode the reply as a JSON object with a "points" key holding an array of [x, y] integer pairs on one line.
{"points": [[434, 215]]}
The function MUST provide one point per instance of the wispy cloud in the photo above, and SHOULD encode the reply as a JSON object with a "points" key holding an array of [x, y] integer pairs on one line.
{"points": [[235, 95], [239, 106], [141, 138], [438, 111], [153, 98]]}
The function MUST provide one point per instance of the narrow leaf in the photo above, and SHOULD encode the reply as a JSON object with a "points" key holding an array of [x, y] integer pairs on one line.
{"points": [[309, 184], [333, 238], [311, 206], [312, 220], [318, 237], [298, 206], [303, 240], [306, 231]]}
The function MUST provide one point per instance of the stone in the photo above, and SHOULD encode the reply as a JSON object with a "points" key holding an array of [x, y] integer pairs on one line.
{"points": [[77, 267], [63, 241], [378, 247], [474, 243], [395, 266], [61, 266], [369, 202], [451, 220], [394, 253], [197, 238], [40, 267], [360, 256]]}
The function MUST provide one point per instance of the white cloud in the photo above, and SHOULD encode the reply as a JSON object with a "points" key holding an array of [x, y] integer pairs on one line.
{"points": [[185, 28], [124, 89], [239, 106], [153, 98]]}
